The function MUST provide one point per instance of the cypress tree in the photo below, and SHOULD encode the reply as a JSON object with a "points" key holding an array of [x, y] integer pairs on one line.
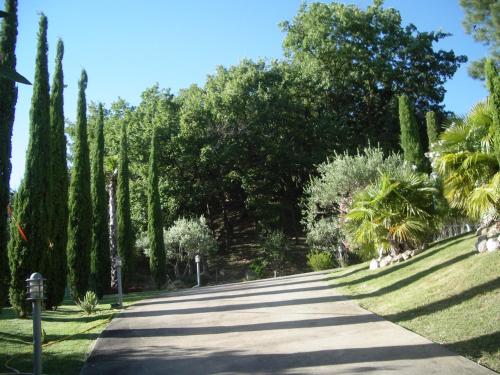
{"points": [[59, 188], [30, 230], [80, 204], [432, 130], [8, 99], [155, 221], [493, 84], [100, 267], [124, 232], [410, 139]]}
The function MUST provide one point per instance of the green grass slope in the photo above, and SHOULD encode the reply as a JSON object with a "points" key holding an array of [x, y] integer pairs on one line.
{"points": [[68, 339], [449, 294]]}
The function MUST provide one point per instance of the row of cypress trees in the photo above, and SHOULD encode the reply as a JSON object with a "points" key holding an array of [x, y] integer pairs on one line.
{"points": [[60, 232]]}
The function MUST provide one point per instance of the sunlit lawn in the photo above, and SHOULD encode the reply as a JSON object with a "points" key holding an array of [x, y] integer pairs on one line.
{"points": [[69, 335], [449, 294]]}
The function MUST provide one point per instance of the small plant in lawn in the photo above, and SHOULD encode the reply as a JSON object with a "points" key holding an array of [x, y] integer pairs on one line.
{"points": [[89, 302], [320, 260]]}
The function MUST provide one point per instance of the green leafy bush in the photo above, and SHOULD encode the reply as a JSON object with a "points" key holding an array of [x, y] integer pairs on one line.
{"points": [[320, 260], [465, 159], [89, 302], [395, 213], [329, 197], [258, 266], [275, 246], [186, 238]]}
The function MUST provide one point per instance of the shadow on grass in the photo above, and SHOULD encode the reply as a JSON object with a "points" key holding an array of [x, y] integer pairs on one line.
{"points": [[477, 346], [78, 317], [18, 338], [334, 276], [413, 278], [398, 266], [446, 302], [53, 363]]}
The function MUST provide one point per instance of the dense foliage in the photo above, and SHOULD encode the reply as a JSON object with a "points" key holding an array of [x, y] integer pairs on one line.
{"points": [[432, 128], [157, 262], [186, 238], [394, 214], [59, 188], [100, 263], [329, 196], [465, 158], [241, 147], [411, 144], [80, 203], [482, 21], [30, 241], [125, 232], [493, 84], [8, 99], [358, 61]]}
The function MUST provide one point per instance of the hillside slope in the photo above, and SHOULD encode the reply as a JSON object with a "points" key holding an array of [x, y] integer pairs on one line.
{"points": [[449, 294]]}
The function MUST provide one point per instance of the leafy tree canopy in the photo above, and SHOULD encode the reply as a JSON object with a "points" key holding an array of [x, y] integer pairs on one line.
{"points": [[482, 21], [360, 60]]}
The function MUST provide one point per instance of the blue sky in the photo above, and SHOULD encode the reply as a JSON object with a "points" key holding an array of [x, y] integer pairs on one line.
{"points": [[127, 46]]}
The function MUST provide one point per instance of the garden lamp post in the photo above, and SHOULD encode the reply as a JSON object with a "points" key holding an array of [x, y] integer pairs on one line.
{"points": [[118, 263], [35, 289], [197, 260]]}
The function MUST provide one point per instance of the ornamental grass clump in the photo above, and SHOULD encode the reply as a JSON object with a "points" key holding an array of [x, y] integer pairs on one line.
{"points": [[89, 303]]}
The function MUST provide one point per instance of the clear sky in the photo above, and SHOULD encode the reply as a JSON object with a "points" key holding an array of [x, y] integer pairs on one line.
{"points": [[127, 46]]}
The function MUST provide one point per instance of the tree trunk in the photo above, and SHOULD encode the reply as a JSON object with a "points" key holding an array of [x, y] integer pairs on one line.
{"points": [[112, 227]]}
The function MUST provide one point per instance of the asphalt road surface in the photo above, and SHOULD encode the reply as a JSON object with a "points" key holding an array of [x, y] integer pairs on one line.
{"points": [[290, 325]]}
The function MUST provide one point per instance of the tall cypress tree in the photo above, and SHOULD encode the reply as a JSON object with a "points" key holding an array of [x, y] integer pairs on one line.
{"points": [[100, 267], [59, 188], [431, 124], [30, 239], [413, 151], [8, 99], [124, 232], [493, 84], [80, 204], [155, 222]]}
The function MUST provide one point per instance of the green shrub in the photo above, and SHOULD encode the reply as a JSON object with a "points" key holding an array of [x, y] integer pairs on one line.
{"points": [[329, 196], [258, 266], [275, 246], [394, 214], [89, 302], [320, 260]]}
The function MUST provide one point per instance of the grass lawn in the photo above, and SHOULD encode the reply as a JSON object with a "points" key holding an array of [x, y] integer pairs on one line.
{"points": [[69, 334], [449, 294]]}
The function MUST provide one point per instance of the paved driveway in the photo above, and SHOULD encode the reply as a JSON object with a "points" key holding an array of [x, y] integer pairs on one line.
{"points": [[290, 325]]}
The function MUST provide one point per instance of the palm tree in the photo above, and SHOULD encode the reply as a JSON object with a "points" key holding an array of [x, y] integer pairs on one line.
{"points": [[395, 213], [465, 158]]}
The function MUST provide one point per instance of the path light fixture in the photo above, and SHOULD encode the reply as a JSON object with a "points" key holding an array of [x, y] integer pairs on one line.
{"points": [[118, 264], [197, 260], [36, 294]]}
